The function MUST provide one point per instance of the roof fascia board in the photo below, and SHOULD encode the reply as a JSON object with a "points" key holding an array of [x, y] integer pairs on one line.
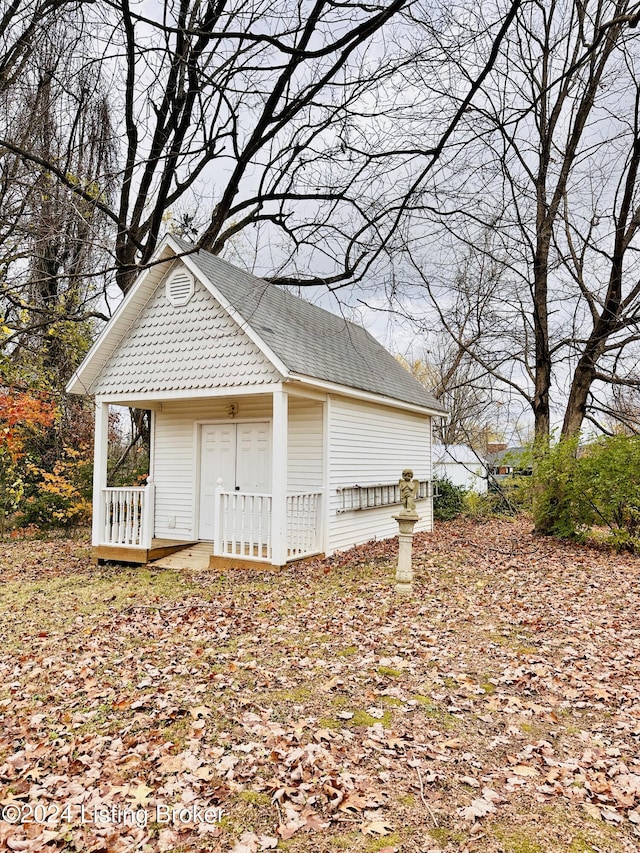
{"points": [[295, 389], [112, 326], [190, 394], [246, 327], [345, 391]]}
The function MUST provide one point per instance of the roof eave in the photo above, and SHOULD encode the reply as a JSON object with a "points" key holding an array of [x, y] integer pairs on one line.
{"points": [[347, 391]]}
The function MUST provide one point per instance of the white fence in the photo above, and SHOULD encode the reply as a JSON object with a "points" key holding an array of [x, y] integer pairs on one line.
{"points": [[128, 516], [242, 522], [243, 525], [303, 524]]}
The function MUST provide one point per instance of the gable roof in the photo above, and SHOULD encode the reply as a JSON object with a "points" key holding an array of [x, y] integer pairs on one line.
{"points": [[298, 337], [180, 347]]}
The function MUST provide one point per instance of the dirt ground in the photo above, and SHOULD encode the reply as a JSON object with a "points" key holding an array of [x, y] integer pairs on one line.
{"points": [[313, 710]]}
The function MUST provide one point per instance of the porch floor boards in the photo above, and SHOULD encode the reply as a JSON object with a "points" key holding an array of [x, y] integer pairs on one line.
{"points": [[195, 556], [200, 556], [172, 554], [133, 554]]}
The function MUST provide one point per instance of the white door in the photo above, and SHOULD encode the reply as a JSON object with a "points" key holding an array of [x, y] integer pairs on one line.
{"points": [[240, 454], [253, 458]]}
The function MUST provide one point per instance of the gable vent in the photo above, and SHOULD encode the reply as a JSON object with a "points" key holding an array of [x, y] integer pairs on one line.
{"points": [[180, 288]]}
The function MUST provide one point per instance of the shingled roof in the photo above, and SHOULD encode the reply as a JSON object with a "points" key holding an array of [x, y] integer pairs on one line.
{"points": [[299, 339], [309, 340]]}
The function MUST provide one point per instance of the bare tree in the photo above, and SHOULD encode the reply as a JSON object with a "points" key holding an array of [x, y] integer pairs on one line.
{"points": [[621, 413], [22, 23], [461, 386], [50, 234], [234, 116], [546, 192]]}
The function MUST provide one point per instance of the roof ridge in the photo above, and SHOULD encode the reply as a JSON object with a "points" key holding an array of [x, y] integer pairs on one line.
{"points": [[308, 339]]}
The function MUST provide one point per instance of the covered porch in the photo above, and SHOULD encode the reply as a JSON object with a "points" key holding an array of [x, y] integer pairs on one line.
{"points": [[243, 523], [261, 443]]}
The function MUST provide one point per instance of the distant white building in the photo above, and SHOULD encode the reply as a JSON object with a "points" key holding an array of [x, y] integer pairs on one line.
{"points": [[462, 465]]}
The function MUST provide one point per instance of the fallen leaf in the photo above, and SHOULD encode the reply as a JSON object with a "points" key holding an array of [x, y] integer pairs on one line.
{"points": [[247, 843], [376, 713], [377, 827], [592, 811], [200, 711], [611, 815], [353, 803], [140, 794], [524, 770], [478, 809]]}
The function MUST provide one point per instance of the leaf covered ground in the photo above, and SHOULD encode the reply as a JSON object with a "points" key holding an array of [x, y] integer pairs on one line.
{"points": [[312, 710]]}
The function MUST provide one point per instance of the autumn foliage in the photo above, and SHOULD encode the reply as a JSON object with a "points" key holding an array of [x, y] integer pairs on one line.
{"points": [[21, 416], [42, 478]]}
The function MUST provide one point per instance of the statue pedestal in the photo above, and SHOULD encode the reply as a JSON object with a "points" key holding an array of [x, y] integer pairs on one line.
{"points": [[404, 573]]}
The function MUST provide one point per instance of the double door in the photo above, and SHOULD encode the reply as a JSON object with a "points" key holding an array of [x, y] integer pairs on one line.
{"points": [[240, 455]]}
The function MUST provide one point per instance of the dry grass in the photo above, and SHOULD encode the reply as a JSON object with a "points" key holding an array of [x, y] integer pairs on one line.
{"points": [[496, 710]]}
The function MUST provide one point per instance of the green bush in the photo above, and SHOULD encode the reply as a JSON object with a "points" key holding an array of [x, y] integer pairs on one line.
{"points": [[449, 503], [577, 488], [508, 497], [553, 488], [607, 489]]}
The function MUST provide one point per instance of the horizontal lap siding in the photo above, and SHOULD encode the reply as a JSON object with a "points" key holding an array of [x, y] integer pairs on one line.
{"points": [[176, 453], [304, 446], [369, 445]]}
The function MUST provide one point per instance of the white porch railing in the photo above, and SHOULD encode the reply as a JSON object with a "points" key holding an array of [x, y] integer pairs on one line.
{"points": [[303, 524], [128, 516], [242, 525]]}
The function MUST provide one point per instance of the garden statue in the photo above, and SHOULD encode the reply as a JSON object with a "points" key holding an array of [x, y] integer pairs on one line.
{"points": [[406, 518], [408, 492]]}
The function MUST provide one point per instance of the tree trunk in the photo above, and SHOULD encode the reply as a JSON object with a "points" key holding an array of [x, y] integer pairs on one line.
{"points": [[577, 403]]}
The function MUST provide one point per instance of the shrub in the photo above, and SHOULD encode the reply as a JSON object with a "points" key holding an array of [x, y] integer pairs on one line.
{"points": [[24, 418], [450, 501], [62, 497], [576, 488], [553, 488], [45, 461], [607, 489], [509, 497]]}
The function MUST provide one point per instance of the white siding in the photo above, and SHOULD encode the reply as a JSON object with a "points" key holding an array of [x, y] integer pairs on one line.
{"points": [[368, 444], [192, 346], [372, 444], [176, 454], [305, 445], [467, 475]]}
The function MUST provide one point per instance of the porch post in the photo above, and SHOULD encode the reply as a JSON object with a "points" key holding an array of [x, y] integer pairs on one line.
{"points": [[149, 512], [100, 449], [279, 437]]}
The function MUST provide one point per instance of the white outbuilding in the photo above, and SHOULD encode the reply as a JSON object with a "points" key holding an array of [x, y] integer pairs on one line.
{"points": [[462, 465], [279, 430]]}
